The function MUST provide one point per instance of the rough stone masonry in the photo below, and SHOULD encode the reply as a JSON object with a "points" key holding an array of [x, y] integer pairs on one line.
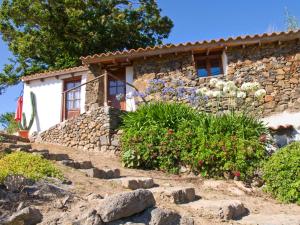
{"points": [[94, 130]]}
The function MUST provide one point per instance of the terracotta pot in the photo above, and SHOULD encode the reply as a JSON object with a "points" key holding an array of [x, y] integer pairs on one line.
{"points": [[24, 133]]}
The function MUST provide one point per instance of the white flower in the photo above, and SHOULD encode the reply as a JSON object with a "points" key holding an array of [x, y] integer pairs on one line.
{"points": [[213, 82], [220, 84], [202, 90], [129, 95], [226, 89], [209, 93], [231, 85], [250, 86], [232, 94], [241, 94], [217, 94], [260, 93], [119, 97], [255, 86]]}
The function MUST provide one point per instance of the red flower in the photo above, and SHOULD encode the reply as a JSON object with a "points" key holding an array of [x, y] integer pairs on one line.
{"points": [[170, 131], [237, 173], [200, 162], [263, 138]]}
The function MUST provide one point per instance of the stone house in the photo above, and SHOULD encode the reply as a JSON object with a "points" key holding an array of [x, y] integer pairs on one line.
{"points": [[272, 59]]}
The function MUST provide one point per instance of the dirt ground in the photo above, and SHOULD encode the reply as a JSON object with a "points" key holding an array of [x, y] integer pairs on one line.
{"points": [[256, 201]]}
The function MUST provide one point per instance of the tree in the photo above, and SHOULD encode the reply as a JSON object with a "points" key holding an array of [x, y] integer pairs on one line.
{"points": [[7, 121], [53, 34], [291, 21]]}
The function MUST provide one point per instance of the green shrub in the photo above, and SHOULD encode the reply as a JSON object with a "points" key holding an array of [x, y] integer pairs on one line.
{"points": [[28, 165], [282, 174], [166, 136]]}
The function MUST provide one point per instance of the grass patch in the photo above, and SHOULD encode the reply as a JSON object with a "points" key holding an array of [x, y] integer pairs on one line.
{"points": [[31, 166]]}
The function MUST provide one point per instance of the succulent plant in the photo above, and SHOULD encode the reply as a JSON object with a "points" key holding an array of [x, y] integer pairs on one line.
{"points": [[23, 125]]}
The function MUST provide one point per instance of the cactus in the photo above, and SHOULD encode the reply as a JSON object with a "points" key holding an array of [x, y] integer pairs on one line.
{"points": [[23, 125]]}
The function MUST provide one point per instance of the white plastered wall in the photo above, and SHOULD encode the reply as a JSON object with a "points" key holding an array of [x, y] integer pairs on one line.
{"points": [[130, 103], [48, 94], [224, 62]]}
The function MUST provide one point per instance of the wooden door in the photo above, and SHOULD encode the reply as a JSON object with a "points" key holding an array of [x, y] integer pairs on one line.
{"points": [[117, 90], [72, 98]]}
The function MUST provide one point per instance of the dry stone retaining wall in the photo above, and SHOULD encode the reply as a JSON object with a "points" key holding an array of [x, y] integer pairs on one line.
{"points": [[94, 130]]}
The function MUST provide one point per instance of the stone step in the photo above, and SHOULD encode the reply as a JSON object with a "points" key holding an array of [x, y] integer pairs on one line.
{"points": [[275, 219], [134, 183], [221, 209], [177, 195], [16, 147], [77, 164], [104, 173]]}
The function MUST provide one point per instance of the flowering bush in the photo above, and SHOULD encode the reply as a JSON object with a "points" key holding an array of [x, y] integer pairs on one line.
{"points": [[282, 174], [166, 136], [218, 96]]}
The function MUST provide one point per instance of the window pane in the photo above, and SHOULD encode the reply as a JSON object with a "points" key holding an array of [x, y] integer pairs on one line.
{"points": [[77, 95], [215, 68], [202, 72], [120, 90], [77, 104], [215, 71], [70, 85], [112, 83], [112, 90], [69, 105], [70, 95], [120, 83]]}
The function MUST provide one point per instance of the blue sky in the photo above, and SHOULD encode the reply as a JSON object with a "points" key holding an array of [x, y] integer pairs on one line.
{"points": [[198, 20]]}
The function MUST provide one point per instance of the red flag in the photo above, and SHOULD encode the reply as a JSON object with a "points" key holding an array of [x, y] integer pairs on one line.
{"points": [[18, 115]]}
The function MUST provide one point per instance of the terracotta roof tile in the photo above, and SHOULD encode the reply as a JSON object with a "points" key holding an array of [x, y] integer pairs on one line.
{"points": [[53, 73], [220, 41]]}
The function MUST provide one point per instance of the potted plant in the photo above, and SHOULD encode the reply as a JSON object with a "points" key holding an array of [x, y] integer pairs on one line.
{"points": [[23, 127]]}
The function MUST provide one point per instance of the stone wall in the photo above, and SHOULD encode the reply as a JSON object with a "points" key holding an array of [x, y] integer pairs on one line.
{"points": [[94, 130], [276, 67], [94, 90]]}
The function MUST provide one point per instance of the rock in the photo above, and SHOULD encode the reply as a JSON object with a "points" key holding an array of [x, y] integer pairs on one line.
{"points": [[47, 190], [90, 218], [58, 157], [222, 209], [177, 195], [77, 164], [134, 183], [278, 219], [16, 183], [93, 197], [155, 216], [26, 216], [102, 173], [125, 204]]}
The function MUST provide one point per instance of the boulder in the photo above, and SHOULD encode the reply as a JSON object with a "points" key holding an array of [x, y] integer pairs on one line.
{"points": [[26, 216], [125, 204], [134, 183], [222, 209], [177, 195], [155, 216]]}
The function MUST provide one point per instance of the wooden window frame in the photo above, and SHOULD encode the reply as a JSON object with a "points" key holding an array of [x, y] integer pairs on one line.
{"points": [[207, 60]]}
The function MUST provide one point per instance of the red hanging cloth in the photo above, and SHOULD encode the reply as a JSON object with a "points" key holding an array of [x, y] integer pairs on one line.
{"points": [[18, 115]]}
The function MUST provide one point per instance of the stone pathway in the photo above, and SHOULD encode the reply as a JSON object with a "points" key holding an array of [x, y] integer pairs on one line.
{"points": [[182, 197]]}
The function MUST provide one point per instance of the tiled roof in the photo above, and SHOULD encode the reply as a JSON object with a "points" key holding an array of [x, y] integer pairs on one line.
{"points": [[231, 41], [54, 73]]}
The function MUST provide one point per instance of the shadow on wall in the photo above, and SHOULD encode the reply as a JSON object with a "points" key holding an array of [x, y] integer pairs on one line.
{"points": [[37, 120], [284, 135]]}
